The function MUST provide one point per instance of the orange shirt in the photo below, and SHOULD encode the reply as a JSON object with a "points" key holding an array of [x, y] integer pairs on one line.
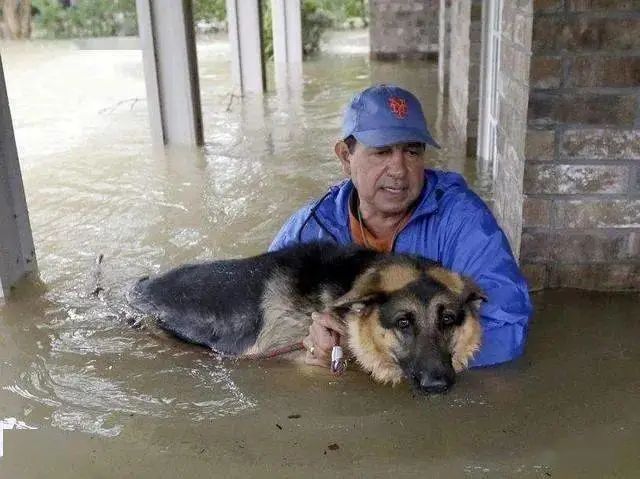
{"points": [[383, 244]]}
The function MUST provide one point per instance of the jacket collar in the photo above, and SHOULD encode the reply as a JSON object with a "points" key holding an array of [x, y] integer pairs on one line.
{"points": [[332, 210]]}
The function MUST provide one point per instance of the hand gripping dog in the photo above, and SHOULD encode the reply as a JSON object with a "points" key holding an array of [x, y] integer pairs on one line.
{"points": [[405, 317]]}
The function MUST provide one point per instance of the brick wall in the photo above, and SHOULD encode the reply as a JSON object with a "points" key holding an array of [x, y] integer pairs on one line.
{"points": [[404, 29], [513, 94], [582, 176]]}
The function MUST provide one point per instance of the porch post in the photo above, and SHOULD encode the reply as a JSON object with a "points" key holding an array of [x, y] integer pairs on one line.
{"points": [[287, 36], [171, 71], [245, 36], [17, 253]]}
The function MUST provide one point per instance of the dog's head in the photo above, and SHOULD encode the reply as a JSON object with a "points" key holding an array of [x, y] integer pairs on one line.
{"points": [[409, 319]]}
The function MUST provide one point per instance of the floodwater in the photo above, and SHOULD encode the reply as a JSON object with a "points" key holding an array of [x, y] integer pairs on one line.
{"points": [[90, 396]]}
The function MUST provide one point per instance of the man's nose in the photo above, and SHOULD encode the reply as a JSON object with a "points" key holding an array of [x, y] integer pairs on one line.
{"points": [[397, 166]]}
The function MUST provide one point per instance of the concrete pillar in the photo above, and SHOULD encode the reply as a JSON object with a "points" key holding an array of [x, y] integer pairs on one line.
{"points": [[17, 254], [247, 63], [287, 37], [171, 71]]}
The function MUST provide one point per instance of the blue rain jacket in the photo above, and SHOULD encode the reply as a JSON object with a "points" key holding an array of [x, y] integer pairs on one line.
{"points": [[452, 225]]}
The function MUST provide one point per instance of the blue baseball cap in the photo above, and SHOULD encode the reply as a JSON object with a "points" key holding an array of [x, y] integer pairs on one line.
{"points": [[384, 115]]}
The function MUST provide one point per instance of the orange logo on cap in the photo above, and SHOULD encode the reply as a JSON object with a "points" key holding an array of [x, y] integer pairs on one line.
{"points": [[399, 107]]}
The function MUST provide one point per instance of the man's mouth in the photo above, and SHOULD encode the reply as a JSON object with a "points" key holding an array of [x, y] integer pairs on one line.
{"points": [[395, 189]]}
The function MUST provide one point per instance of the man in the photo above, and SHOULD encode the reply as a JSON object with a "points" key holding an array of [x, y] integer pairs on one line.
{"points": [[392, 203]]}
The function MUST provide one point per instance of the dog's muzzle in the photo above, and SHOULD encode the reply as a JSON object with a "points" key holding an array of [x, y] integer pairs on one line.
{"points": [[432, 382]]}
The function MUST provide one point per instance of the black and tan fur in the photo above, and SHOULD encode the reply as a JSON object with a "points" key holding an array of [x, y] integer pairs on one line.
{"points": [[406, 317]]}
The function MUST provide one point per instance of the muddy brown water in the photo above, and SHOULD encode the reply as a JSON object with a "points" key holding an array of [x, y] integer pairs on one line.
{"points": [[89, 396]]}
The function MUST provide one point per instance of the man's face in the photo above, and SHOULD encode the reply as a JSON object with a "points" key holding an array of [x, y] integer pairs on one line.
{"points": [[388, 179]]}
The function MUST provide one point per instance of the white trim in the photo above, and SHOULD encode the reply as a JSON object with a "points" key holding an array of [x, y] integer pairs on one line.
{"points": [[489, 72]]}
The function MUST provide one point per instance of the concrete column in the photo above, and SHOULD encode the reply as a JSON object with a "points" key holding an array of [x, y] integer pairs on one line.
{"points": [[171, 71], [244, 20], [17, 254], [286, 24], [287, 36]]}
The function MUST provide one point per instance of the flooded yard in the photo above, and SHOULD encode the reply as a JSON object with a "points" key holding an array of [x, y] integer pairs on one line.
{"points": [[91, 396]]}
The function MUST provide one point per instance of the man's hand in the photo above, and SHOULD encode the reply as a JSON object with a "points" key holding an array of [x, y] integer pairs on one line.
{"points": [[324, 333]]}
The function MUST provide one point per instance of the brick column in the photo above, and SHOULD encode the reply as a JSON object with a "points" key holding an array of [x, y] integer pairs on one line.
{"points": [[582, 176], [404, 29], [459, 18], [513, 92]]}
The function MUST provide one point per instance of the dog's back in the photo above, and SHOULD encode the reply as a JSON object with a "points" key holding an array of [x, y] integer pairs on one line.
{"points": [[250, 304]]}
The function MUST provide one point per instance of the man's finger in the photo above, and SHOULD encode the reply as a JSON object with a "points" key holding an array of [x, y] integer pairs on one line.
{"points": [[323, 336], [329, 322], [314, 361]]}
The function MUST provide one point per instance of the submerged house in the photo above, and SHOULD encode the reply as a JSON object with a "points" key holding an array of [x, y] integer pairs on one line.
{"points": [[547, 94]]}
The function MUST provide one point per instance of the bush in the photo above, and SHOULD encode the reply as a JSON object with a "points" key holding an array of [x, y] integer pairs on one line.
{"points": [[315, 22], [344, 10], [213, 11], [88, 18], [98, 18]]}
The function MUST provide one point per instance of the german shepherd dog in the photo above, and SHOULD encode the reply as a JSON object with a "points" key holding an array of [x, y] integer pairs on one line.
{"points": [[405, 317]]}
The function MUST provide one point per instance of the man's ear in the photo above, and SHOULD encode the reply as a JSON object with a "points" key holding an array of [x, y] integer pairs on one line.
{"points": [[342, 152]]}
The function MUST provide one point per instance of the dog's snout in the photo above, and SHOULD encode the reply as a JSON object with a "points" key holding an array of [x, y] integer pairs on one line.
{"points": [[435, 382]]}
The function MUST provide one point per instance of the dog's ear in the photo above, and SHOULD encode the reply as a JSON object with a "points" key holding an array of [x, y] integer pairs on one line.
{"points": [[362, 296], [360, 306], [472, 295]]}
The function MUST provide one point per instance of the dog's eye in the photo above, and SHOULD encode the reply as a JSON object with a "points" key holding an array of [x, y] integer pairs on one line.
{"points": [[403, 321], [448, 319]]}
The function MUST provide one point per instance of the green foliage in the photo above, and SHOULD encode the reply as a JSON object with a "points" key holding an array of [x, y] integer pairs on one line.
{"points": [[209, 10], [97, 18], [88, 18], [92, 18], [343, 10], [315, 21], [267, 31], [340, 10]]}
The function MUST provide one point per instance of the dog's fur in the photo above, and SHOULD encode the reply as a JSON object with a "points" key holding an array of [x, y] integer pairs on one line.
{"points": [[405, 316]]}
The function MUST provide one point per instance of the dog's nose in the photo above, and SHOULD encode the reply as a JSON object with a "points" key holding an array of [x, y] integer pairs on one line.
{"points": [[431, 383]]}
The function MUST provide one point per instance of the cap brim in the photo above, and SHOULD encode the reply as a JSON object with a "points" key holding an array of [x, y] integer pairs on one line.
{"points": [[393, 136]]}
